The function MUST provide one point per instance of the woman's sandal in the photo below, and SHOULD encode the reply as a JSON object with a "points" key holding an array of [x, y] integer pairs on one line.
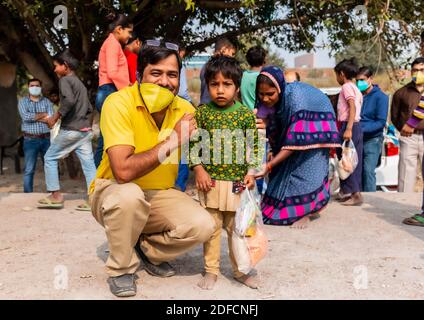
{"points": [[48, 203]]}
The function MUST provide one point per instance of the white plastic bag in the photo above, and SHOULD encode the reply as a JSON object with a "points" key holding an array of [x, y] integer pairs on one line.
{"points": [[349, 161], [54, 131], [249, 241]]}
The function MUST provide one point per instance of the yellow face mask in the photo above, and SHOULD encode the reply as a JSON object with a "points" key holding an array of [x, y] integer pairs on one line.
{"points": [[418, 77], [156, 98]]}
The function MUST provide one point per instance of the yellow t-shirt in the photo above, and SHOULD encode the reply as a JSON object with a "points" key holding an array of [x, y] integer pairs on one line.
{"points": [[126, 121]]}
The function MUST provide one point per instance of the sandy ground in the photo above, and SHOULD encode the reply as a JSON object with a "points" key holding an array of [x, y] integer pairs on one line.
{"points": [[350, 253]]}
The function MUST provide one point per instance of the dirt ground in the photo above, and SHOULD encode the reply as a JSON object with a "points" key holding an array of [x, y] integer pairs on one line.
{"points": [[349, 253]]}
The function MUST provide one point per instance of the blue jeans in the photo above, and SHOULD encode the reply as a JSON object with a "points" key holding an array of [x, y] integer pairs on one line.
{"points": [[33, 147], [183, 173], [103, 92], [372, 152], [66, 142]]}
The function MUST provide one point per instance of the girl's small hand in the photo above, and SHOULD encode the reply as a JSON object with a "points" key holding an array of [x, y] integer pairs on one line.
{"points": [[269, 157], [250, 181], [347, 135], [260, 124], [407, 131], [203, 179]]}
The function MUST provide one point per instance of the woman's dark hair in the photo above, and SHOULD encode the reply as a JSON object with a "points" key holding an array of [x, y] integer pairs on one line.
{"points": [[153, 55], [366, 71], [66, 57], [263, 79], [118, 19], [349, 67], [255, 56], [228, 66], [417, 61]]}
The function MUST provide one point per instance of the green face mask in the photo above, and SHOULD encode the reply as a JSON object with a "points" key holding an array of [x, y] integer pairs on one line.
{"points": [[155, 98], [362, 85]]}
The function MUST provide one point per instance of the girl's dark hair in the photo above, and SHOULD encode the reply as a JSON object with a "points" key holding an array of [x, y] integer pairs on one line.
{"points": [[118, 19], [66, 57], [349, 67], [228, 66], [366, 71], [255, 56], [153, 55]]}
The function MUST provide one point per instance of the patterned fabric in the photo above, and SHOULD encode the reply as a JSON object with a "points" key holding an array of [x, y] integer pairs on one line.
{"points": [[307, 125], [417, 115], [216, 121], [28, 109]]}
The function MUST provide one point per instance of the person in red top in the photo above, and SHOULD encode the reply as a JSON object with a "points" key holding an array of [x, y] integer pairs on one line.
{"points": [[113, 66], [131, 51]]}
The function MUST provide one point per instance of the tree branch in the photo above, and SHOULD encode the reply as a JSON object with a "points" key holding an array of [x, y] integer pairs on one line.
{"points": [[275, 23]]}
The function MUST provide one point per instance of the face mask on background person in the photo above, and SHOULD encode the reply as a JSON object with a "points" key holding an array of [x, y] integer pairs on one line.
{"points": [[363, 85], [418, 77], [34, 91], [155, 97]]}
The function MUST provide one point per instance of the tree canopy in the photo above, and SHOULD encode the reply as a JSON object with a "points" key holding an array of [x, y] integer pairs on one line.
{"points": [[29, 38]]}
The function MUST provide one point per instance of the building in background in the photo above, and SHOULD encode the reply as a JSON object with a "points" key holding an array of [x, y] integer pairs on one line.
{"points": [[305, 61]]}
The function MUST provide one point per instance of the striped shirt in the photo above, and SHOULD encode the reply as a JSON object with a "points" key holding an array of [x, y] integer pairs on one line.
{"points": [[28, 110], [418, 114]]}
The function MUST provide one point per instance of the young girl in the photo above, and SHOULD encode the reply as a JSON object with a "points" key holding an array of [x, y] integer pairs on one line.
{"points": [[220, 180], [301, 127], [348, 117], [75, 132], [113, 65]]}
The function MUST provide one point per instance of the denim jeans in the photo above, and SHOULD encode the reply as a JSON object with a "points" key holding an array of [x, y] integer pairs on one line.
{"points": [[103, 92], [372, 151], [183, 173], [32, 148], [66, 142]]}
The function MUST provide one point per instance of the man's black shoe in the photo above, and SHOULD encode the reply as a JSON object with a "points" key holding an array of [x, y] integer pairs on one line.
{"points": [[162, 270], [123, 286]]}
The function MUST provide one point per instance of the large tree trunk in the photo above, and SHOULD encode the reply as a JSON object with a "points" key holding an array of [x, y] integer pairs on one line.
{"points": [[8, 104]]}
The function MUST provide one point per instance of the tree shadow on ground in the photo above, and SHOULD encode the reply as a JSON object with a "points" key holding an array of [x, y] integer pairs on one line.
{"points": [[394, 212]]}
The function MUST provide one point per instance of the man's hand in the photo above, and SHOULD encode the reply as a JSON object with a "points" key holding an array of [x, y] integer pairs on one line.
{"points": [[347, 135], [51, 122], [41, 116], [203, 179], [407, 130], [249, 181], [187, 122]]}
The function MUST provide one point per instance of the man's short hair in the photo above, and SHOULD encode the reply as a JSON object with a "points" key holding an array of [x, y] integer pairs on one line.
{"points": [[153, 55], [35, 80], [255, 56], [67, 57], [228, 66], [417, 61], [224, 43]]}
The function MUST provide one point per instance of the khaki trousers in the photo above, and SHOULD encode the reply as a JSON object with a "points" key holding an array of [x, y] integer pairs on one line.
{"points": [[164, 223], [212, 247], [221, 203], [411, 151]]}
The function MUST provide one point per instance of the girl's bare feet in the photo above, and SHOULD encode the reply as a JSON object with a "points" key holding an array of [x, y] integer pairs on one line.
{"points": [[249, 281], [208, 281], [301, 224]]}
